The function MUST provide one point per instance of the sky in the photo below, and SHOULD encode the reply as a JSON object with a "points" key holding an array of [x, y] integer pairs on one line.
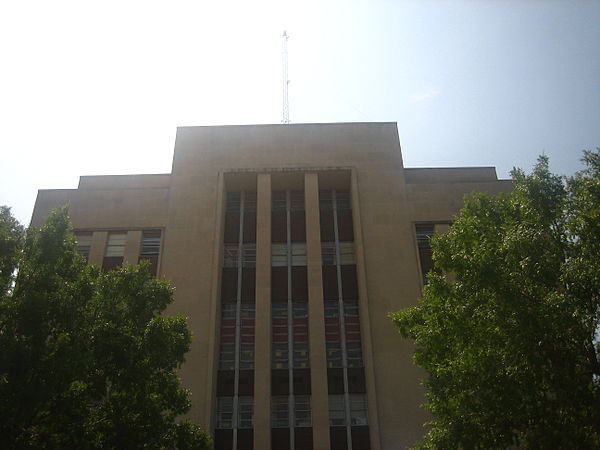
{"points": [[90, 88]]}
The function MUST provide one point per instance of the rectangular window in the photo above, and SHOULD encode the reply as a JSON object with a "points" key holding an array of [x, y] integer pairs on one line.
{"points": [[300, 335], [279, 323], [302, 411], [245, 412], [115, 245], [231, 255], [114, 251], [279, 255], [225, 412], [299, 254], [150, 249], [329, 254], [83, 242], [358, 409], [280, 412], [150, 243], [247, 314], [337, 410], [424, 232]]}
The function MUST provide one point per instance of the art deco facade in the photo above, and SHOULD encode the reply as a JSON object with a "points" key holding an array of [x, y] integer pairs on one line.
{"points": [[288, 245]]}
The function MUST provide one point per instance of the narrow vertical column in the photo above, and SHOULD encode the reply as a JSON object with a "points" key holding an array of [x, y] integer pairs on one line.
{"points": [[97, 247], [367, 341], [262, 342], [316, 316], [132, 247]]}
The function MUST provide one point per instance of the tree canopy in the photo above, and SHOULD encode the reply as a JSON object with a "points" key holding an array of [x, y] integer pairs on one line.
{"points": [[86, 358], [509, 340]]}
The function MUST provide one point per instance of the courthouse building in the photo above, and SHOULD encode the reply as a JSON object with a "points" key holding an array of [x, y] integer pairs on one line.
{"points": [[288, 245]]}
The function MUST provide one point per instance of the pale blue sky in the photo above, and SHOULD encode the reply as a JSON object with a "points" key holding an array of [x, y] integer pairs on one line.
{"points": [[100, 87]]}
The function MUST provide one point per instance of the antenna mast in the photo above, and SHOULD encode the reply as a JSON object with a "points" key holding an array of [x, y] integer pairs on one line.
{"points": [[286, 82]]}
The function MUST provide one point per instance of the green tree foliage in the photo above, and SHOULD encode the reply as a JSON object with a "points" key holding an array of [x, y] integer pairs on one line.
{"points": [[11, 241], [510, 344], [86, 358]]}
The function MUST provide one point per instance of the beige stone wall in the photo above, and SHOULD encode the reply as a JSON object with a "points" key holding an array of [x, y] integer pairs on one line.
{"points": [[188, 206]]}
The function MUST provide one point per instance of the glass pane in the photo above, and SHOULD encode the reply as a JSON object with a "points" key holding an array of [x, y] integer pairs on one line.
{"points": [[424, 232], [299, 254], [150, 243], [230, 255], [280, 412], [337, 410], [302, 411], [233, 201], [278, 255], [116, 244], [245, 409], [328, 253], [225, 412], [347, 253], [358, 409]]}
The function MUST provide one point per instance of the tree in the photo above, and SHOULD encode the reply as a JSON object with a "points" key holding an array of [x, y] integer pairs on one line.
{"points": [[87, 360], [509, 340], [11, 241]]}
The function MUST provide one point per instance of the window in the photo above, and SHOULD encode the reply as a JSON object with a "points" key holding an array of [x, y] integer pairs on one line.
{"points": [[337, 410], [150, 243], [231, 255], [115, 250], [298, 254], [358, 409], [302, 411], [84, 243], [279, 351], [279, 255], [329, 256], [424, 232], [150, 249], [245, 412], [280, 412], [225, 412], [247, 314], [116, 244]]}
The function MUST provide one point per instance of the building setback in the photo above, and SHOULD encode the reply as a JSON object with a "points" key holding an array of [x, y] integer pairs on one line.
{"points": [[288, 246]]}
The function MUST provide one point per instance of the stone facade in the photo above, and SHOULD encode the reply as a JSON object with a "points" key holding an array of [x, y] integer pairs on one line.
{"points": [[340, 189]]}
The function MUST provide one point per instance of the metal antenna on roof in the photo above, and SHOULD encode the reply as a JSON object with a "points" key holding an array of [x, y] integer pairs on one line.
{"points": [[286, 82]]}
